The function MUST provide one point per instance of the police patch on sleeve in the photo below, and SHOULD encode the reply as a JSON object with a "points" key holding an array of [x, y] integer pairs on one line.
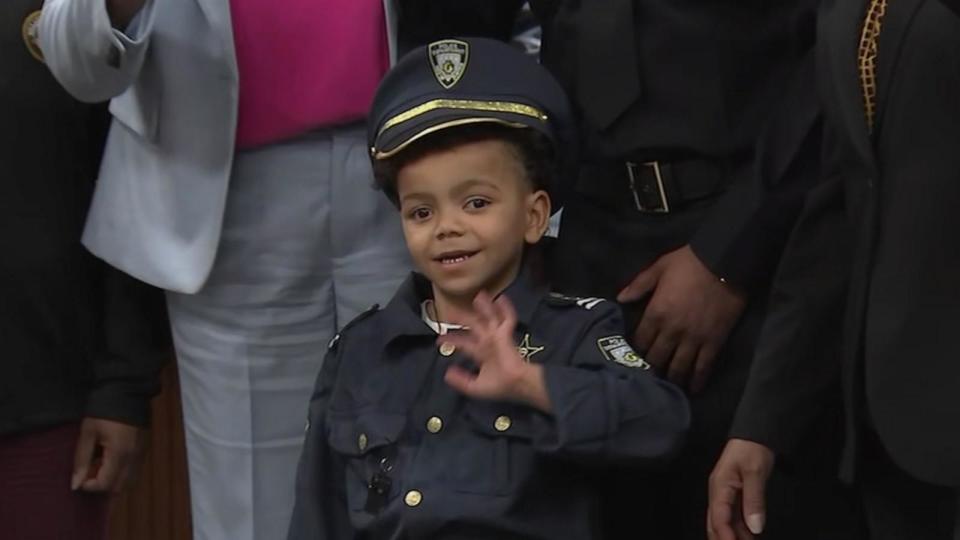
{"points": [[616, 349]]}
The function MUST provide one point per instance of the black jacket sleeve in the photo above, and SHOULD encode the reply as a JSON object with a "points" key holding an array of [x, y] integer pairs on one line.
{"points": [[797, 366], [742, 237], [132, 346]]}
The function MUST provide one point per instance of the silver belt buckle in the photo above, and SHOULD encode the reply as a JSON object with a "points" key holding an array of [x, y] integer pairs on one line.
{"points": [[649, 197]]}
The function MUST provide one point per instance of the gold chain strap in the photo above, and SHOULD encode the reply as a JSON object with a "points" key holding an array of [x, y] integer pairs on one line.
{"points": [[867, 56]]}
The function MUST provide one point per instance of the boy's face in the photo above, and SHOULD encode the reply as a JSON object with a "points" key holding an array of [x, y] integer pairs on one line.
{"points": [[467, 213]]}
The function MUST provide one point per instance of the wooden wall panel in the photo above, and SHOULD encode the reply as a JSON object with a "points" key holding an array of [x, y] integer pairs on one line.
{"points": [[158, 505]]}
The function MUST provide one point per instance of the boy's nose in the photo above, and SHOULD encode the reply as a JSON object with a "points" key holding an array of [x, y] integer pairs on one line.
{"points": [[448, 225]]}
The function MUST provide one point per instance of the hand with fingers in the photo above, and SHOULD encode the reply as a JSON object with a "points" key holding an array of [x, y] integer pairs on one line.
{"points": [[737, 505], [489, 342], [688, 318], [108, 455]]}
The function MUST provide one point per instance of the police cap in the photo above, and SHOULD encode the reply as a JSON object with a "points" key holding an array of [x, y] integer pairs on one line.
{"points": [[455, 82]]}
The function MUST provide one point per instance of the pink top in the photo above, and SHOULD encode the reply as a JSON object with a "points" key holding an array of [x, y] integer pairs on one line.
{"points": [[305, 64]]}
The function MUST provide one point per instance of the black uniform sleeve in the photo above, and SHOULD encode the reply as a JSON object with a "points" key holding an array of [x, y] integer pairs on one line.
{"points": [[797, 365], [423, 21], [320, 507], [742, 237], [608, 407], [133, 345]]}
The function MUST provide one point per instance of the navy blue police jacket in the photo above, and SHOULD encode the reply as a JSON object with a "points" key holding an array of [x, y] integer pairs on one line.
{"points": [[392, 452]]}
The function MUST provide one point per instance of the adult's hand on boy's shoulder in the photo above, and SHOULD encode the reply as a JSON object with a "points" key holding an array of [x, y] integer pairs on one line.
{"points": [[688, 318], [503, 373], [121, 450]]}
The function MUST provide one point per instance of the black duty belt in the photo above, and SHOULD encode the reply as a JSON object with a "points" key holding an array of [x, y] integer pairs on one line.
{"points": [[653, 187]]}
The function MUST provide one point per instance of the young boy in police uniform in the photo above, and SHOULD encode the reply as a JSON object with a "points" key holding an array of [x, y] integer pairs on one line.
{"points": [[475, 404]]}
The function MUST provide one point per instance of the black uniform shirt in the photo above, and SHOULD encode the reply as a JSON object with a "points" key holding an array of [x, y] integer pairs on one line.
{"points": [[704, 80], [78, 338], [382, 419]]}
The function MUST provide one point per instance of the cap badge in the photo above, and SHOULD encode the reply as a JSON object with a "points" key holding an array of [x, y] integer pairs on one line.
{"points": [[29, 32], [448, 58]]}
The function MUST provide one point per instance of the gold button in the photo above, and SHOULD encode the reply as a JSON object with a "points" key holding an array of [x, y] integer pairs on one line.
{"points": [[502, 423], [447, 348], [413, 498], [434, 424], [362, 441]]}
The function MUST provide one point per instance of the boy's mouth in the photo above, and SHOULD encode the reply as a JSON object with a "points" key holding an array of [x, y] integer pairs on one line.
{"points": [[454, 257]]}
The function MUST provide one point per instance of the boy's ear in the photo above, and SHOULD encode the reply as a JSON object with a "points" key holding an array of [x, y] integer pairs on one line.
{"points": [[538, 216]]}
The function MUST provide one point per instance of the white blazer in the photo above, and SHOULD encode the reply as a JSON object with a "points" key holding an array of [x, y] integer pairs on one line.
{"points": [[171, 78]]}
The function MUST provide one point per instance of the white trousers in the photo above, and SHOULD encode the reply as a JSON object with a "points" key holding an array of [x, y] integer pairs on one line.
{"points": [[307, 244]]}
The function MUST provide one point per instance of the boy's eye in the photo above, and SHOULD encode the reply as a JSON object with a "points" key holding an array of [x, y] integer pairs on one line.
{"points": [[420, 214], [477, 203]]}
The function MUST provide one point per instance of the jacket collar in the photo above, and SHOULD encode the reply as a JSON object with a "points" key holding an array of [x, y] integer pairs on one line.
{"points": [[840, 27], [403, 311], [896, 22]]}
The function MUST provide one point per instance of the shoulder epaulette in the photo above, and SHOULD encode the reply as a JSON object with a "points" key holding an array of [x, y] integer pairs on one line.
{"points": [[564, 300], [336, 338]]}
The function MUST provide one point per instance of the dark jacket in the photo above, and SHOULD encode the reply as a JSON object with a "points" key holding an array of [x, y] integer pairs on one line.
{"points": [[479, 469], [79, 339], [693, 85], [423, 21], [867, 298]]}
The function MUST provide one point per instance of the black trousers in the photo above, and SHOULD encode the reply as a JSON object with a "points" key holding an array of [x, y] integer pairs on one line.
{"points": [[600, 249]]}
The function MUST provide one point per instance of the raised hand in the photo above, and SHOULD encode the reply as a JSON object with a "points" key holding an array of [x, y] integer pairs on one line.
{"points": [[503, 374]]}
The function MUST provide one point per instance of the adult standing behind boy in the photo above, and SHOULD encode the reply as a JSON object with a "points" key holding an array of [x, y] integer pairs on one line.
{"points": [[236, 177], [869, 285], [679, 215], [82, 343]]}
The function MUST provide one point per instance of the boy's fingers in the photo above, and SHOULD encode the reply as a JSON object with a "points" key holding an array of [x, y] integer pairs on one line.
{"points": [[485, 310], [464, 342], [82, 457], [460, 380], [506, 313], [472, 322]]}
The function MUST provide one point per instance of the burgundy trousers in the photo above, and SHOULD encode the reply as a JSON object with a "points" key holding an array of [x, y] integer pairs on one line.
{"points": [[36, 502]]}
